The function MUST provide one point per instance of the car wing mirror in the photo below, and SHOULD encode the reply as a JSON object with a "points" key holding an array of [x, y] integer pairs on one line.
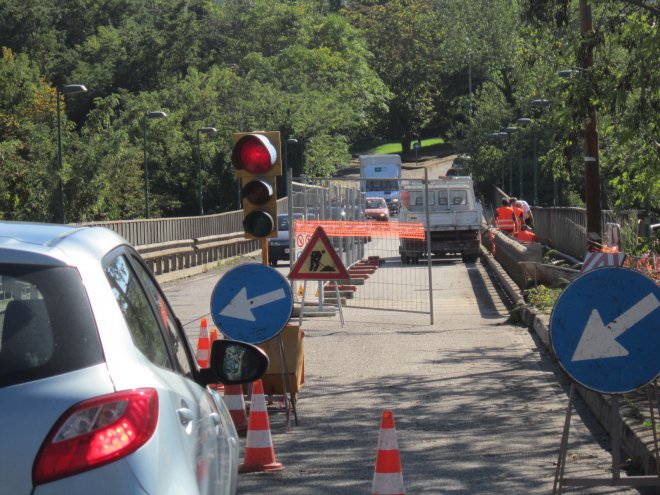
{"points": [[233, 362]]}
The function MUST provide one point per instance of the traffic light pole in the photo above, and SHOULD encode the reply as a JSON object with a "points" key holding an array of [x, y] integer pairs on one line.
{"points": [[264, 252]]}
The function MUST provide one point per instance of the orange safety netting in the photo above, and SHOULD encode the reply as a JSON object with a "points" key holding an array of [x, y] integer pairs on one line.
{"points": [[347, 228]]}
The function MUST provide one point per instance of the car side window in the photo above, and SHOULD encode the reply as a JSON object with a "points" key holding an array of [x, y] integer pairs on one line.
{"points": [[134, 304], [172, 335]]}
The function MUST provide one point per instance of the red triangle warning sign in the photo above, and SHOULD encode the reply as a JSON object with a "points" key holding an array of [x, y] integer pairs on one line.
{"points": [[319, 260]]}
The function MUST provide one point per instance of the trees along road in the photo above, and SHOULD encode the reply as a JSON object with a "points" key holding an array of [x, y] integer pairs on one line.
{"points": [[479, 405]]}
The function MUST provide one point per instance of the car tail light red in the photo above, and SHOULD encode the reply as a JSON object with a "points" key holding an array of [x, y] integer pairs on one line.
{"points": [[95, 432]]}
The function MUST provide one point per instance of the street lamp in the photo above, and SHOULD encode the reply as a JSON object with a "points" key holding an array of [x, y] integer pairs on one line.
{"points": [[286, 162], [522, 122], [150, 115], [511, 130], [540, 103], [67, 89], [499, 136], [203, 130]]}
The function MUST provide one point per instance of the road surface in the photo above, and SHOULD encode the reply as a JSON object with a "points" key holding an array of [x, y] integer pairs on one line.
{"points": [[479, 405]]}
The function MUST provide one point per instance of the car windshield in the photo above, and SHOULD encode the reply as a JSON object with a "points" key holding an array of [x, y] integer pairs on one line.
{"points": [[375, 203], [47, 327]]}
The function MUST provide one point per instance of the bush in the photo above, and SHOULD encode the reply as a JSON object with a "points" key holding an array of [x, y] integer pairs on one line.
{"points": [[542, 298]]}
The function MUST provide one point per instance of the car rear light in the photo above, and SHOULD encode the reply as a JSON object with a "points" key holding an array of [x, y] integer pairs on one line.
{"points": [[95, 432]]}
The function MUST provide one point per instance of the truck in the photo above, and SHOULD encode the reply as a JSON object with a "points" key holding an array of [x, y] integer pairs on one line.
{"points": [[380, 178], [455, 219]]}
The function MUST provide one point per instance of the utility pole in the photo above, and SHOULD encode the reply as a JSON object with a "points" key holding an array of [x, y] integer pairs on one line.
{"points": [[591, 160]]}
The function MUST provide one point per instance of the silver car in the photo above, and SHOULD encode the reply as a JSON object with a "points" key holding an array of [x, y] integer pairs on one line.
{"points": [[99, 387]]}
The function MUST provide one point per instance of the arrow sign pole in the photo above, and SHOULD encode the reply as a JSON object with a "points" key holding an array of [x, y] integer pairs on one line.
{"points": [[241, 307], [599, 340]]}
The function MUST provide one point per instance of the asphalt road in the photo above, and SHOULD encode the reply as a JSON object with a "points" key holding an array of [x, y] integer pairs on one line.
{"points": [[479, 405]]}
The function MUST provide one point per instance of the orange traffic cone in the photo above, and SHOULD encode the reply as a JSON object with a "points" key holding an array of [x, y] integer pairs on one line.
{"points": [[203, 344], [233, 398], [213, 336], [259, 452], [388, 477]]}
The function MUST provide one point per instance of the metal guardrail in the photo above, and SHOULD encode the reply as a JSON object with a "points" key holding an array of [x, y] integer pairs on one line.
{"points": [[167, 257], [173, 244]]}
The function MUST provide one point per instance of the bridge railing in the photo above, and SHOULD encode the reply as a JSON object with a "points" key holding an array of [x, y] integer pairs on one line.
{"points": [[173, 244], [187, 243]]}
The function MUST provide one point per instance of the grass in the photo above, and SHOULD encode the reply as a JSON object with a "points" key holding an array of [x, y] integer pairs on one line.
{"points": [[395, 147]]}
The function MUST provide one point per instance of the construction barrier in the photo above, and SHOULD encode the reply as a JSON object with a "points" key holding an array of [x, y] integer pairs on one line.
{"points": [[347, 228]]}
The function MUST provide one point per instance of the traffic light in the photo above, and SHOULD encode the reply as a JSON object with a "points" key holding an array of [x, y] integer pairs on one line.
{"points": [[257, 161]]}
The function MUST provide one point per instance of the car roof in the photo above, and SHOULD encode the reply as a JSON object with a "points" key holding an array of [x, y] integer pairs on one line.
{"points": [[31, 242]]}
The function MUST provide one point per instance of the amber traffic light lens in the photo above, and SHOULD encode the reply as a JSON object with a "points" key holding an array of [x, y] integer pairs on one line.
{"points": [[258, 192]]}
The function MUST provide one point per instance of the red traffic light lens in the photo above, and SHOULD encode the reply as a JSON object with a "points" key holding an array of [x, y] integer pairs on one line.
{"points": [[259, 223], [254, 153], [258, 192]]}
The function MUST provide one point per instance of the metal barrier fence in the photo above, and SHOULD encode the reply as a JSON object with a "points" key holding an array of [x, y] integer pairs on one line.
{"points": [[390, 285]]}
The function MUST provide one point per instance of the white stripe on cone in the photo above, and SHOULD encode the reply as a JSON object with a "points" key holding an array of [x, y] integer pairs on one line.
{"points": [[388, 484], [387, 439], [259, 439]]}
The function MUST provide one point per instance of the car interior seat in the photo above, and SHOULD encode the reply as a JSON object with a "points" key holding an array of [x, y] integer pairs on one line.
{"points": [[27, 339]]}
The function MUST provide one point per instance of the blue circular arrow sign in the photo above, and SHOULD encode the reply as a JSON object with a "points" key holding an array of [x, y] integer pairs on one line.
{"points": [[605, 330], [252, 303]]}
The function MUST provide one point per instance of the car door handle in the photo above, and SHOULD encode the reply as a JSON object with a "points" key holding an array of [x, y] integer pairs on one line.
{"points": [[185, 415], [215, 417]]}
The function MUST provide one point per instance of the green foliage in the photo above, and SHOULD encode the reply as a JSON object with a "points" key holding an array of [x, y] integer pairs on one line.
{"points": [[327, 72], [543, 298]]}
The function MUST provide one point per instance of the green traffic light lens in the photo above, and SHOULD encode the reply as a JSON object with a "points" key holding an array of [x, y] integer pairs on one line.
{"points": [[259, 223]]}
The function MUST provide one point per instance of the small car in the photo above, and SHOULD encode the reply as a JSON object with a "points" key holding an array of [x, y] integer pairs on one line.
{"points": [[99, 386], [278, 247], [376, 209]]}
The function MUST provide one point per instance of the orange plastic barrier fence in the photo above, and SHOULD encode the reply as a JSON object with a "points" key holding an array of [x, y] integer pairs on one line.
{"points": [[335, 228]]}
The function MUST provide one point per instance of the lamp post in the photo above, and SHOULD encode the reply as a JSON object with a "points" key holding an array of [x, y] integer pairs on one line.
{"points": [[522, 122], [147, 116], [203, 130], [499, 137], [67, 89], [511, 130], [286, 162], [538, 103]]}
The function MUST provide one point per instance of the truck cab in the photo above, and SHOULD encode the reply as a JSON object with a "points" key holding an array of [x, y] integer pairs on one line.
{"points": [[455, 219], [380, 178]]}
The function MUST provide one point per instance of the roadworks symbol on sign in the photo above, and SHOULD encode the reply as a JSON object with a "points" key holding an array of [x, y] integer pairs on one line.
{"points": [[319, 260]]}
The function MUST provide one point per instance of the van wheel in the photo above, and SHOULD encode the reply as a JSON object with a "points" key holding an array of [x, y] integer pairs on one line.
{"points": [[469, 258], [272, 262]]}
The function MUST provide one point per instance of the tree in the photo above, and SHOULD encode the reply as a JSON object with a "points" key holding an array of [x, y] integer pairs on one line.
{"points": [[405, 38]]}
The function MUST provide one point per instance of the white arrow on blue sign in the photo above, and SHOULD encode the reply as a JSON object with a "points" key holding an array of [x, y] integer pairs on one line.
{"points": [[252, 303], [605, 330]]}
